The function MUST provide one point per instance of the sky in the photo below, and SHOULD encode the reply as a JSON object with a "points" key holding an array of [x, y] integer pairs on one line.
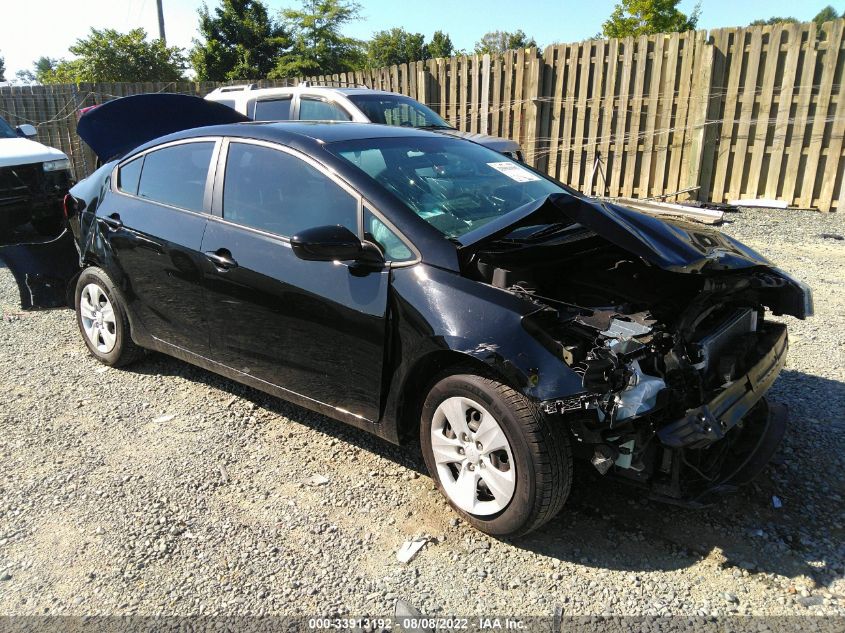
{"points": [[34, 28]]}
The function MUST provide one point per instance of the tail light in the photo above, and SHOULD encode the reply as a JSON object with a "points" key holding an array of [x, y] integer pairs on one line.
{"points": [[69, 206]]}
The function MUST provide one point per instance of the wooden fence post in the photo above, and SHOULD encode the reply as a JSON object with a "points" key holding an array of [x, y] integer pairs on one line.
{"points": [[702, 78]]}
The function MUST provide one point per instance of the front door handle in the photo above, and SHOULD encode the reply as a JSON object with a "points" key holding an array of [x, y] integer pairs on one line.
{"points": [[113, 221], [221, 258]]}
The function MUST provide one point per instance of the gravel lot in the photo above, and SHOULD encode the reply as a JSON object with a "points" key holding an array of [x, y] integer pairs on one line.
{"points": [[164, 489]]}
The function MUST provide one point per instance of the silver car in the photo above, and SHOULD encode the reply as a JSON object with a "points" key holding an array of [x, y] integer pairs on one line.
{"points": [[307, 102]]}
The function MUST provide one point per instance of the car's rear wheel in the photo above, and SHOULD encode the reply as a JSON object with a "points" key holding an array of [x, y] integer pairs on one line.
{"points": [[102, 319], [498, 461]]}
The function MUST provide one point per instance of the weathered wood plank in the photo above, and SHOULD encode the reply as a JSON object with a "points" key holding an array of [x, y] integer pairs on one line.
{"points": [[664, 117], [633, 135], [652, 105], [621, 105], [607, 106], [558, 87], [735, 56], [805, 81], [833, 162], [832, 32], [681, 137], [592, 129]]}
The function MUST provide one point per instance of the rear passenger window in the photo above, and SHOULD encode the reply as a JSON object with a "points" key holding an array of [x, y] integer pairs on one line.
{"points": [[176, 175], [272, 110], [315, 109], [129, 175], [273, 191]]}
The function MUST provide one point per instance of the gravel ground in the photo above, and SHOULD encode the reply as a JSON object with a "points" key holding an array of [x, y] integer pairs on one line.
{"points": [[164, 489]]}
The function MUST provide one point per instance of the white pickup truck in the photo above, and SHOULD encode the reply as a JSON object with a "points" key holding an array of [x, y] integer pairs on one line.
{"points": [[34, 179]]}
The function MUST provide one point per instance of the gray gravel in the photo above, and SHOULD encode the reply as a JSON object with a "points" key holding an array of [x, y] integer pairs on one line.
{"points": [[164, 489]]}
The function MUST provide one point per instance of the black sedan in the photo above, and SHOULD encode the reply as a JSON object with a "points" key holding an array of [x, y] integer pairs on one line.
{"points": [[419, 286]]}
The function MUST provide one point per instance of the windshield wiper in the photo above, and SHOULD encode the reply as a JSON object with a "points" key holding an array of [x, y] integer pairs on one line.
{"points": [[546, 231], [432, 126]]}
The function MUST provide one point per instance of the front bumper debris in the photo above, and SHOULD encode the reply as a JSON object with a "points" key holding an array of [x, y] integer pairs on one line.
{"points": [[762, 432], [710, 422]]}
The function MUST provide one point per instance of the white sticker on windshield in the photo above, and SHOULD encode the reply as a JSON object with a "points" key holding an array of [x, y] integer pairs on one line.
{"points": [[514, 171]]}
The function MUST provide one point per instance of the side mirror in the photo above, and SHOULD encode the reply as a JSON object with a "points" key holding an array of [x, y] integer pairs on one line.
{"points": [[26, 130], [326, 244]]}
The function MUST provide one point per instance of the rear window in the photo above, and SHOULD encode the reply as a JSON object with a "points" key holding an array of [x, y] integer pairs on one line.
{"points": [[129, 176], [176, 175], [272, 110]]}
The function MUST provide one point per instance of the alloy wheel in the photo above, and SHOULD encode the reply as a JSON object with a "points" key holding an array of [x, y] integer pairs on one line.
{"points": [[98, 319], [473, 456]]}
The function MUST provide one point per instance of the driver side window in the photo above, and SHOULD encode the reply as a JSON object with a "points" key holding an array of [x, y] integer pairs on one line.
{"points": [[273, 191]]}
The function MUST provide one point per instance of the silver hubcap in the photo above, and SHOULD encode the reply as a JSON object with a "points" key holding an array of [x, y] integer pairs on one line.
{"points": [[473, 457], [98, 321]]}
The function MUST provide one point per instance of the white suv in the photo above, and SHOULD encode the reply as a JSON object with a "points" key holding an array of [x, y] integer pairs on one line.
{"points": [[34, 179], [307, 102]]}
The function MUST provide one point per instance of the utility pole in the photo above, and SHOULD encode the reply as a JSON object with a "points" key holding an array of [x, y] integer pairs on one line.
{"points": [[161, 22]]}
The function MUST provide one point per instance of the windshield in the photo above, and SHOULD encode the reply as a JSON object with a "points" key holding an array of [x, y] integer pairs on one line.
{"points": [[397, 110], [6, 130], [455, 185]]}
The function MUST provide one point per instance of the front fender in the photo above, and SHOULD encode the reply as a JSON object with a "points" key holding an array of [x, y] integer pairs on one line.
{"points": [[438, 314]]}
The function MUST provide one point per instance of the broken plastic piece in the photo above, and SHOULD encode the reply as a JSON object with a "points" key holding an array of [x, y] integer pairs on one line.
{"points": [[410, 549], [625, 329], [317, 480], [603, 458], [777, 504]]}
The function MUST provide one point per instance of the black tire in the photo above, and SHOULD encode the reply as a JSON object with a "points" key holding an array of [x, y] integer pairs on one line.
{"points": [[541, 453], [125, 350]]}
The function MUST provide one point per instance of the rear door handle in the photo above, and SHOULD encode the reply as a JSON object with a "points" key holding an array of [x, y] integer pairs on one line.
{"points": [[221, 258], [113, 221]]}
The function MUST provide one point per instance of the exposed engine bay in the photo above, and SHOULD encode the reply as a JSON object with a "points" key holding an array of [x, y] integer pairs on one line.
{"points": [[660, 354]]}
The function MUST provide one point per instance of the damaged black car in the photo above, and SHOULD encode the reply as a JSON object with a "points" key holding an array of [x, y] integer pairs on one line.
{"points": [[423, 287]]}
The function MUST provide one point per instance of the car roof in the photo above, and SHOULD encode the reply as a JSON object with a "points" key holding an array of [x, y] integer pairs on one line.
{"points": [[303, 134], [258, 93]]}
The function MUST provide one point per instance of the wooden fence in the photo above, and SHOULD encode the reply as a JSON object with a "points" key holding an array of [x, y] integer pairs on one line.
{"points": [[740, 112]]}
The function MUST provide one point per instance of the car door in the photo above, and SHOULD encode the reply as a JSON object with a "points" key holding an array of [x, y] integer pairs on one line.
{"points": [[314, 328], [154, 222]]}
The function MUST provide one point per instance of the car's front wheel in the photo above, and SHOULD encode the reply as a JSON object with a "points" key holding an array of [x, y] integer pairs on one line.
{"points": [[102, 319], [500, 463]]}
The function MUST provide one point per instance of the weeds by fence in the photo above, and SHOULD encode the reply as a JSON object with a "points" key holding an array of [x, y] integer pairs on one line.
{"points": [[740, 112]]}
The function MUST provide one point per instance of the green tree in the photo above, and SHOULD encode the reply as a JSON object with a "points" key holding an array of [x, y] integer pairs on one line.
{"points": [[644, 17], [497, 42], [238, 41], [774, 20], [43, 66], [826, 15], [41, 70], [440, 45], [318, 47], [395, 46], [2, 69], [108, 55]]}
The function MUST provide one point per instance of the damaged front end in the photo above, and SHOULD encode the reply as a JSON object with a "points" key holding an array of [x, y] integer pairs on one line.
{"points": [[674, 361]]}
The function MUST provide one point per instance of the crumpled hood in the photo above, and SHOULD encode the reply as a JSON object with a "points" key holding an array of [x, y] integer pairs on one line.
{"points": [[674, 246], [118, 126], [493, 142], [22, 151]]}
